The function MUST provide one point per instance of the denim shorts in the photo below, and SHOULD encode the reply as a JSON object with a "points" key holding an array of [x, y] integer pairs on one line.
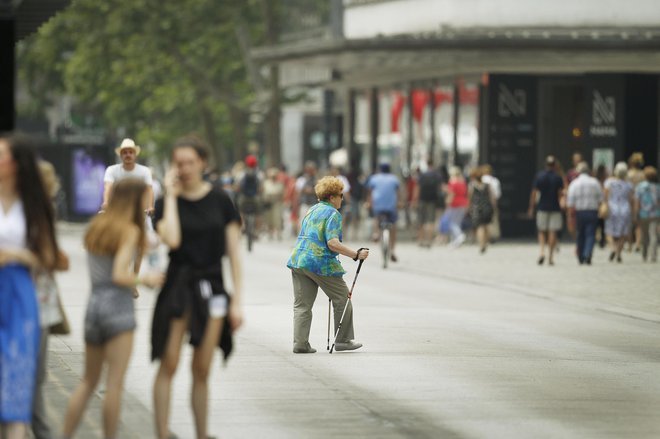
{"points": [[110, 312]]}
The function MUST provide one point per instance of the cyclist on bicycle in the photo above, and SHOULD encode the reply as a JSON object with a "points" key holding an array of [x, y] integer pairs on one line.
{"points": [[383, 200], [249, 188]]}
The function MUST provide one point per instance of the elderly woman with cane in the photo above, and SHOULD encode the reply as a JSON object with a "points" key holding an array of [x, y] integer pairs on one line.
{"points": [[314, 264]]}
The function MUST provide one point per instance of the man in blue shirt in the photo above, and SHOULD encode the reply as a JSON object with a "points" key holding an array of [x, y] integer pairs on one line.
{"points": [[383, 200], [548, 189]]}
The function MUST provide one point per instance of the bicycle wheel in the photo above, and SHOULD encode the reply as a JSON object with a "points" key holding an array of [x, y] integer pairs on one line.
{"points": [[385, 245]]}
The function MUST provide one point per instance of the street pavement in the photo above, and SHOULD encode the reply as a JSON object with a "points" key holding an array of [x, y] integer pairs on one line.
{"points": [[456, 345]]}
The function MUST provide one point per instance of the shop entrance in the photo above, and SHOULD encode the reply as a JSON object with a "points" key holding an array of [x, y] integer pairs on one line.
{"points": [[562, 120]]}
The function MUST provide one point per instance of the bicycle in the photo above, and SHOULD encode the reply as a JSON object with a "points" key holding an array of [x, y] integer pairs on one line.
{"points": [[385, 237], [249, 216]]}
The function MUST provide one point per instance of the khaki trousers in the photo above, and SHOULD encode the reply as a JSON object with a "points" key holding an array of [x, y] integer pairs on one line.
{"points": [[305, 288], [649, 228]]}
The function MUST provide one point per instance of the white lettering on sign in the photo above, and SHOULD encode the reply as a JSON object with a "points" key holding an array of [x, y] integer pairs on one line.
{"points": [[603, 131], [604, 109], [511, 103], [603, 116]]}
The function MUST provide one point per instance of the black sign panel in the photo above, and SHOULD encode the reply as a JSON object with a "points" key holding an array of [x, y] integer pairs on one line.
{"points": [[604, 95], [512, 126]]}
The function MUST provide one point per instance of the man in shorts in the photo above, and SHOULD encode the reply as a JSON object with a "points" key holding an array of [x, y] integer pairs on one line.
{"points": [[383, 199], [428, 198], [545, 196]]}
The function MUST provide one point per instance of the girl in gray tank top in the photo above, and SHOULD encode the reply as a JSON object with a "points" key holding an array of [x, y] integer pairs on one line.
{"points": [[115, 243]]}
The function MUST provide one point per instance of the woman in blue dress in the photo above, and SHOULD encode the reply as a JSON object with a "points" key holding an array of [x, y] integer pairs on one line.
{"points": [[619, 198], [27, 241]]}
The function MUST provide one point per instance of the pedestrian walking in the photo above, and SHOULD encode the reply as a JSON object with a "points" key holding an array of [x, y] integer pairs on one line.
{"points": [[314, 264], [128, 152], [250, 188], [602, 176], [338, 172], [199, 224], [647, 211], [493, 182], [27, 242], [428, 199], [481, 207], [51, 313], [635, 177], [545, 198], [619, 197], [304, 195], [457, 204], [358, 191], [410, 187], [584, 198], [572, 174], [273, 201], [115, 242]]}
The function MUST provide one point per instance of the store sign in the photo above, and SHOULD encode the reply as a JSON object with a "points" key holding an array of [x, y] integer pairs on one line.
{"points": [[511, 103], [603, 113], [511, 145], [88, 172]]}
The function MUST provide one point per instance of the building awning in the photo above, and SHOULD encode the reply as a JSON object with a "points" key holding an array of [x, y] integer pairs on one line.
{"points": [[391, 60]]}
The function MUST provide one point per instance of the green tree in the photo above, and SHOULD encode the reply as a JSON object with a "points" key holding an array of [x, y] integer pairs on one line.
{"points": [[156, 68]]}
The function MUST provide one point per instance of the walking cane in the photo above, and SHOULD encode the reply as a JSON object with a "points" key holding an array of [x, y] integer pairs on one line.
{"points": [[350, 293], [327, 348]]}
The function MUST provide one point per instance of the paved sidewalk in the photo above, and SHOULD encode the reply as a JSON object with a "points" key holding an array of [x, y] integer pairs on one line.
{"points": [[630, 288], [65, 367]]}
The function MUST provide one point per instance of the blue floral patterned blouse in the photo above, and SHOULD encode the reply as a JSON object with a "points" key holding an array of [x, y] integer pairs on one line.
{"points": [[321, 224]]}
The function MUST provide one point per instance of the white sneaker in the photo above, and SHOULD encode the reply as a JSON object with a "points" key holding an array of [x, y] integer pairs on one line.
{"points": [[350, 345], [460, 239]]}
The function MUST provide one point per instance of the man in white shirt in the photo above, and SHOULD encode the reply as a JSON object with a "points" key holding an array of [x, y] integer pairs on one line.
{"points": [[584, 197], [128, 168]]}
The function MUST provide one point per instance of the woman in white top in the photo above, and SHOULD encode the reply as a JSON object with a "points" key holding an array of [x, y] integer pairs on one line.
{"points": [[27, 241]]}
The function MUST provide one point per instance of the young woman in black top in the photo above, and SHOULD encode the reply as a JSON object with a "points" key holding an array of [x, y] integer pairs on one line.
{"points": [[199, 224]]}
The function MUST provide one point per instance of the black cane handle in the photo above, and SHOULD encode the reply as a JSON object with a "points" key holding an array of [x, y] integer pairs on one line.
{"points": [[357, 255]]}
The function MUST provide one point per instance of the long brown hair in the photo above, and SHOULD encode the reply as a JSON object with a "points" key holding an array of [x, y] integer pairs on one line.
{"points": [[125, 207], [38, 208]]}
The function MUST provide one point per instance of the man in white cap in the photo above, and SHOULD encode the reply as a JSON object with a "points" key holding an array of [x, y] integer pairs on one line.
{"points": [[128, 168]]}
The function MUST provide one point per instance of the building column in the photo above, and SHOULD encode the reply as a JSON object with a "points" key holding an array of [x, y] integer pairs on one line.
{"points": [[7, 74], [432, 126], [374, 127], [410, 127], [328, 125], [349, 132], [457, 106]]}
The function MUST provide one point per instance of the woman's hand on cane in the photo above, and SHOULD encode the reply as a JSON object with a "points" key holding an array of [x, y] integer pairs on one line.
{"points": [[362, 254]]}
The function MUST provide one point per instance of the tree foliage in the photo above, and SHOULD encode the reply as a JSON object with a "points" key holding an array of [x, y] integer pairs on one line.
{"points": [[158, 68]]}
